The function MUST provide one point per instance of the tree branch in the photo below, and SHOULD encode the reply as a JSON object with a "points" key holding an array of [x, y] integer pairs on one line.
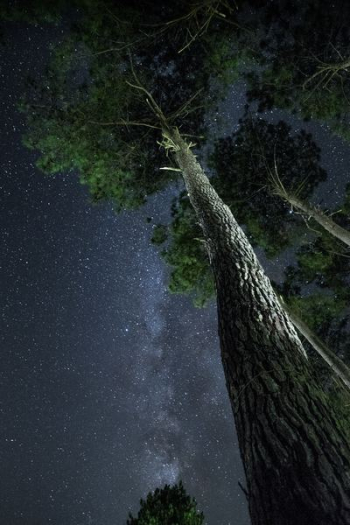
{"points": [[336, 364]]}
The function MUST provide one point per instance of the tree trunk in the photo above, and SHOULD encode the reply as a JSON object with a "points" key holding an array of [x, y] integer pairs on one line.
{"points": [[326, 222], [336, 364], [294, 449]]}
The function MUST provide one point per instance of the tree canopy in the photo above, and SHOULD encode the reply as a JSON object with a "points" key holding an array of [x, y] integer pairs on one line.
{"points": [[170, 505], [241, 164], [307, 72], [89, 115]]}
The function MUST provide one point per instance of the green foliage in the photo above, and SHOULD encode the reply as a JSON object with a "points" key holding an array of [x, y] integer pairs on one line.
{"points": [[85, 115], [168, 506], [291, 75], [324, 263], [317, 289], [185, 253], [242, 163], [318, 309], [70, 134], [160, 234], [314, 262], [78, 119], [227, 59]]}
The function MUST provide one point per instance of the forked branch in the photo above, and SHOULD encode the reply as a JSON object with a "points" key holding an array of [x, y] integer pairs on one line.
{"points": [[308, 209], [325, 73]]}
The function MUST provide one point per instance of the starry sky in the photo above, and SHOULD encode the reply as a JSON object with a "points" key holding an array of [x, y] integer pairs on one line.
{"points": [[110, 386]]}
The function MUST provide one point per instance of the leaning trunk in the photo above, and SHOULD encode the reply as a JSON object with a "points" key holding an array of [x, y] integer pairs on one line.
{"points": [[335, 363], [323, 220], [294, 450]]}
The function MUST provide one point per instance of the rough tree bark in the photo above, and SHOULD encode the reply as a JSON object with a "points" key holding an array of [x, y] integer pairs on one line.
{"points": [[295, 451]]}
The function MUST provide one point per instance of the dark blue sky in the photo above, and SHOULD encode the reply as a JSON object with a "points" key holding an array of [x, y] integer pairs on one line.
{"points": [[109, 385]]}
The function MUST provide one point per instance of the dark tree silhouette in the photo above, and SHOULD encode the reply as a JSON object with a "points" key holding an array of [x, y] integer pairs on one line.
{"points": [[307, 72], [167, 506]]}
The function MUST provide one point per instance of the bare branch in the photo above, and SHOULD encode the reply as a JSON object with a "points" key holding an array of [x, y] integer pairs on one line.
{"points": [[336, 364], [125, 123], [305, 208], [327, 72]]}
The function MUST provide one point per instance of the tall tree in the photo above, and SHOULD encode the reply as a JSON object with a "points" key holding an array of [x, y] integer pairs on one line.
{"points": [[293, 443], [294, 448], [239, 163]]}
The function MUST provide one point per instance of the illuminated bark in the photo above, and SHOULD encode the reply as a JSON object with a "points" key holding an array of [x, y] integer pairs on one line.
{"points": [[295, 451]]}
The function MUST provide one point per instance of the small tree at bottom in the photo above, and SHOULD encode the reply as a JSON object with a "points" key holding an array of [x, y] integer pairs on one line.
{"points": [[168, 506]]}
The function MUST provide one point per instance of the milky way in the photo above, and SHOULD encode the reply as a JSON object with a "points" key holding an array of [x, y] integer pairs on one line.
{"points": [[110, 386]]}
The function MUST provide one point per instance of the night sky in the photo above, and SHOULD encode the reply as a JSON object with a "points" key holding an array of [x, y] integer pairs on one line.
{"points": [[110, 386]]}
